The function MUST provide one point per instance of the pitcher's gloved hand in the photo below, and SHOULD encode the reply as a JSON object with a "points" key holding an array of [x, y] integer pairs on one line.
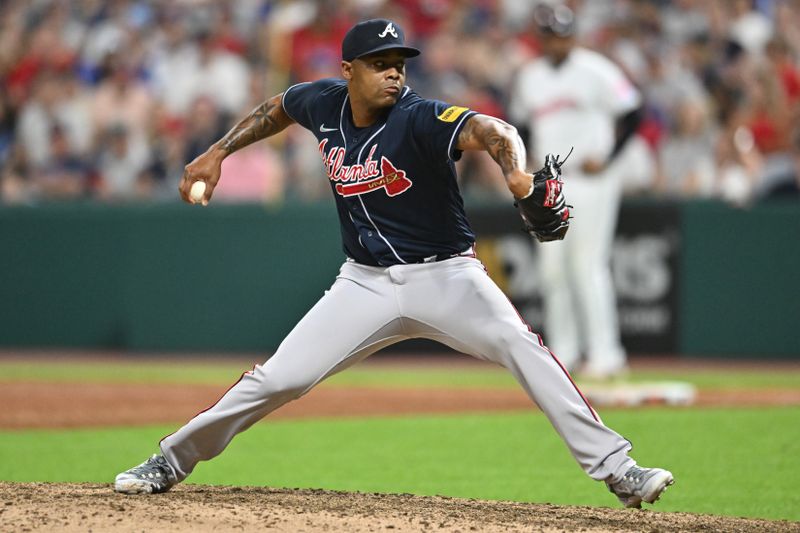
{"points": [[544, 211]]}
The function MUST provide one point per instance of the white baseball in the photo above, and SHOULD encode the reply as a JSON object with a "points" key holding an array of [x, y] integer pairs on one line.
{"points": [[197, 191]]}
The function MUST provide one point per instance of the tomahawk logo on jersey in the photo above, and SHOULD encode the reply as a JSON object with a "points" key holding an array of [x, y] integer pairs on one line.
{"points": [[385, 175], [401, 168]]}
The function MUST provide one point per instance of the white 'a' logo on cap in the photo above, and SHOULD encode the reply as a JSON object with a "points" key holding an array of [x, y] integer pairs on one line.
{"points": [[390, 30]]}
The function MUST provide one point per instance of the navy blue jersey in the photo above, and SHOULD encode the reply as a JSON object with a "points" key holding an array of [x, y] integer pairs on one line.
{"points": [[394, 181]]}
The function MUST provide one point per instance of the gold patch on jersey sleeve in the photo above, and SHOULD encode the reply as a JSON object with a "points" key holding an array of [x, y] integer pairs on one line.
{"points": [[452, 113]]}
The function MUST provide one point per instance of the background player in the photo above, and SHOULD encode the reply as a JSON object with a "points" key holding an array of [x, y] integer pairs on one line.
{"points": [[410, 269], [575, 97]]}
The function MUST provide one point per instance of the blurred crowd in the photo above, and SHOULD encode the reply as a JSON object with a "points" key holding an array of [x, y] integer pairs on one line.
{"points": [[109, 99]]}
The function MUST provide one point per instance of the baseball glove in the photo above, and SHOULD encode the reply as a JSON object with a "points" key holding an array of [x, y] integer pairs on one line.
{"points": [[545, 213]]}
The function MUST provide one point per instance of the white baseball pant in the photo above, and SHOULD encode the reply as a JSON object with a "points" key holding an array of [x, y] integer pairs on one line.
{"points": [[367, 308]]}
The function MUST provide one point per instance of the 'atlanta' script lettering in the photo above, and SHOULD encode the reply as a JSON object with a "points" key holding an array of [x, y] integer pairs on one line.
{"points": [[338, 171], [363, 178]]}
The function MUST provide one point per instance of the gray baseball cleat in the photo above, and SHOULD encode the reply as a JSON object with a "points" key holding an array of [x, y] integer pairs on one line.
{"points": [[152, 476], [641, 484]]}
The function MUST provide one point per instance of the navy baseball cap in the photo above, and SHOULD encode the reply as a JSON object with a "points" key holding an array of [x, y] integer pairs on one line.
{"points": [[373, 36]]}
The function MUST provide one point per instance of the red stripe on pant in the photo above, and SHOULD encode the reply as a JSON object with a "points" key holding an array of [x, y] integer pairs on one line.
{"points": [[218, 399]]}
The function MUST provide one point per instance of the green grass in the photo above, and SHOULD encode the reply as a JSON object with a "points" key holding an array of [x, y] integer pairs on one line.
{"points": [[738, 462], [128, 371], [365, 375], [500, 378]]}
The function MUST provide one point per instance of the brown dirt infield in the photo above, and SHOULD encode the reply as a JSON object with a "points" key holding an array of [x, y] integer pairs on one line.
{"points": [[195, 508], [67, 405]]}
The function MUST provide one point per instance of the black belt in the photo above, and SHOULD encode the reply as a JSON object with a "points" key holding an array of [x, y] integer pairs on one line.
{"points": [[469, 252]]}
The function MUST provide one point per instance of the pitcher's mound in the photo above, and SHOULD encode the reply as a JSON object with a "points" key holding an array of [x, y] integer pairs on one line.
{"points": [[198, 508]]}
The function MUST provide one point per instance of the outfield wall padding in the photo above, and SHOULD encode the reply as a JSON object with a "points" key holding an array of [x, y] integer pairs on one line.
{"points": [[235, 278], [162, 277], [741, 280]]}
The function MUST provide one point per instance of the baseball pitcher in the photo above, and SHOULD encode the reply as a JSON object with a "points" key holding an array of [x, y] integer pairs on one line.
{"points": [[410, 270]]}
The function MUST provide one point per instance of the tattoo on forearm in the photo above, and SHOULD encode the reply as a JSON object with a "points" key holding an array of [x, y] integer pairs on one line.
{"points": [[259, 124], [504, 147], [500, 140]]}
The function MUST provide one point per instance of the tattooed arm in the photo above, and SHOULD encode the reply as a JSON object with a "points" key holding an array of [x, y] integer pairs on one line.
{"points": [[267, 119], [500, 139]]}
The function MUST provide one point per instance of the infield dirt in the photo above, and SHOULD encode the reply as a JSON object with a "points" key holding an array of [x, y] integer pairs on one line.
{"points": [[76, 405], [199, 508]]}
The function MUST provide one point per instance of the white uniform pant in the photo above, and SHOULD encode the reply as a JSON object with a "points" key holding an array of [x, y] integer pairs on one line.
{"points": [[579, 301], [367, 308]]}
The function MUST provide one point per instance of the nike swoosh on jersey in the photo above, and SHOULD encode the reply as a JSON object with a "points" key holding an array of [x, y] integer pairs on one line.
{"points": [[323, 129]]}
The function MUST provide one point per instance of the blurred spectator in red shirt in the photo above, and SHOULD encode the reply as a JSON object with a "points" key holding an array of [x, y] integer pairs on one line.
{"points": [[40, 49], [317, 48], [779, 54], [426, 16]]}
